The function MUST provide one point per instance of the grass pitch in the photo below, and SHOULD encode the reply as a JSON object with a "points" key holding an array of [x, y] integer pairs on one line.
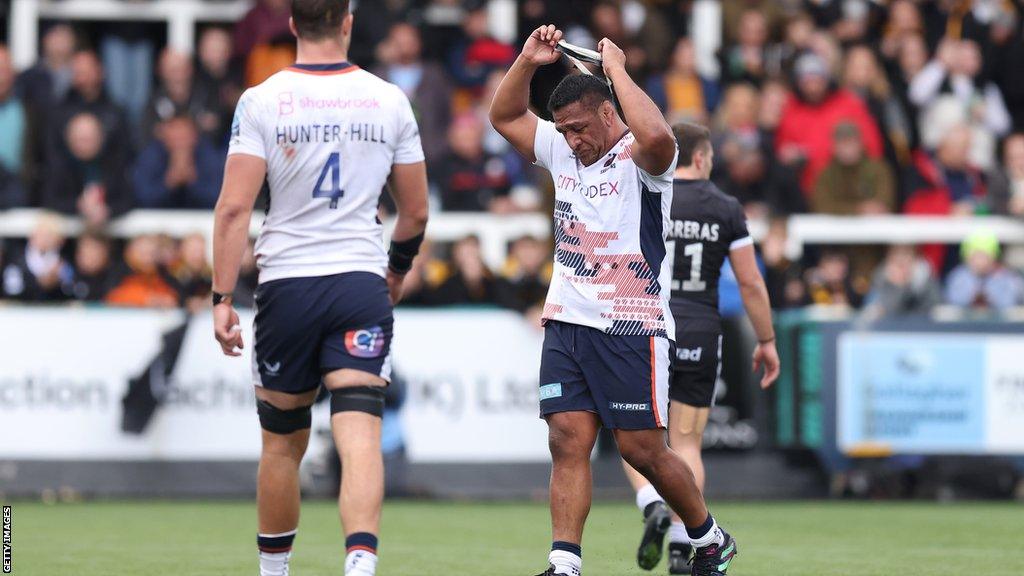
{"points": [[442, 538]]}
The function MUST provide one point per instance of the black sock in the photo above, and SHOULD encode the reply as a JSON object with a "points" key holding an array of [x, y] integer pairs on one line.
{"points": [[650, 507]]}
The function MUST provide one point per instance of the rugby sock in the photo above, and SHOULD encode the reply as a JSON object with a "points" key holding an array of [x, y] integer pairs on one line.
{"points": [[677, 534], [361, 558], [706, 534], [566, 557], [275, 550], [645, 497]]}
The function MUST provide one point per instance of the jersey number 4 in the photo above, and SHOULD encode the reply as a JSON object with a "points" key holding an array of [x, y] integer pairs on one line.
{"points": [[333, 191]]}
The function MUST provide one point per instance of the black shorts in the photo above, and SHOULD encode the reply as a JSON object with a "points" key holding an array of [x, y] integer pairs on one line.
{"points": [[306, 327], [697, 365]]}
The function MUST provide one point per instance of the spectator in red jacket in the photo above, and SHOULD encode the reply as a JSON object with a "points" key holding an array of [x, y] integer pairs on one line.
{"points": [[804, 136]]}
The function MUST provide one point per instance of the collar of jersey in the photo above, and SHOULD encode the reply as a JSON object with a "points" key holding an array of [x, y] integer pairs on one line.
{"points": [[332, 67]]}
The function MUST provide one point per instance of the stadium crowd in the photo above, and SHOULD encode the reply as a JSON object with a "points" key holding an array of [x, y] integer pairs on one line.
{"points": [[839, 107]]}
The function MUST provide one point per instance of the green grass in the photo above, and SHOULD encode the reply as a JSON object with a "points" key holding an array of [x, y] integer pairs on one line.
{"points": [[440, 538]]}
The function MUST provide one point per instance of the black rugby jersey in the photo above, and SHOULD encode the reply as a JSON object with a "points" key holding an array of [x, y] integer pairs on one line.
{"points": [[706, 224]]}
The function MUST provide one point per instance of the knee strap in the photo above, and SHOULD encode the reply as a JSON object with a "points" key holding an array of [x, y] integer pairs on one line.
{"points": [[368, 399], [273, 419]]}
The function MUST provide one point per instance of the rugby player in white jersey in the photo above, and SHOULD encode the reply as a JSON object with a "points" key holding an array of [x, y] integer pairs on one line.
{"points": [[326, 136], [608, 329]]}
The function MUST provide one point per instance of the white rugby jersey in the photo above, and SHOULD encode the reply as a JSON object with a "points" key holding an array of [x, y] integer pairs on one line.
{"points": [[329, 134], [611, 217]]}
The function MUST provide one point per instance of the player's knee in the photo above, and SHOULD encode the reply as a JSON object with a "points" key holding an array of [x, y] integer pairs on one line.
{"points": [[367, 399], [278, 421], [641, 456], [564, 443]]}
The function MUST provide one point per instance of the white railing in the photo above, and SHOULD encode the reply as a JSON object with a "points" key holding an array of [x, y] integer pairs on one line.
{"points": [[495, 232], [181, 17]]}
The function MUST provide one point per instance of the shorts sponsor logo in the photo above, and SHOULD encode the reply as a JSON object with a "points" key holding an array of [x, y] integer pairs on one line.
{"points": [[689, 354], [365, 342], [549, 391], [630, 406], [272, 369]]}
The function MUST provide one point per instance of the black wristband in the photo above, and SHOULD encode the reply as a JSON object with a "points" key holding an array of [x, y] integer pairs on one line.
{"points": [[402, 253], [219, 298]]}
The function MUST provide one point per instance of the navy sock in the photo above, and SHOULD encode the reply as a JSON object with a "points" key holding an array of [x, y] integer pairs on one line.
{"points": [[567, 547], [275, 543], [702, 530], [361, 541]]}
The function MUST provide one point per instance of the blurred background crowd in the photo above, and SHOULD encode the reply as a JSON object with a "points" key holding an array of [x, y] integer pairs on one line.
{"points": [[841, 107]]}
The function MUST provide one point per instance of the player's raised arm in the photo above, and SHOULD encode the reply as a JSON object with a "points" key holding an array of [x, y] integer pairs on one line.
{"points": [[654, 146], [755, 300], [510, 113], [243, 178]]}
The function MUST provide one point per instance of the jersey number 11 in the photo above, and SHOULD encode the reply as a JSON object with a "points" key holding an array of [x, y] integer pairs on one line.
{"points": [[333, 169]]}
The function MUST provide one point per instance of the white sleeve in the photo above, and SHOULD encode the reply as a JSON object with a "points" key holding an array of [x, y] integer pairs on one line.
{"points": [[927, 83], [997, 117], [246, 137], [409, 149], [544, 143]]}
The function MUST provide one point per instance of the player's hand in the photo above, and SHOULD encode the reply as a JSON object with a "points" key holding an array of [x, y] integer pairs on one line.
{"points": [[227, 330], [766, 355], [612, 57], [539, 49], [395, 286]]}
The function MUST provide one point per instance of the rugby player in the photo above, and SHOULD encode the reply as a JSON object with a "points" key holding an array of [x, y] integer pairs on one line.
{"points": [[327, 137], [608, 330], [707, 226]]}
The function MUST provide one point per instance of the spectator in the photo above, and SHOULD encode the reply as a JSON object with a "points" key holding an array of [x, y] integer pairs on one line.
{"points": [[127, 49], [477, 53], [799, 31], [1006, 184], [13, 125], [527, 274], [180, 168], [830, 283], [88, 95], [83, 176], [425, 83], [809, 118], [176, 96], [902, 286], [745, 61], [263, 40], [911, 59], [39, 273], [218, 82], [470, 282], [981, 281], [1005, 58], [863, 76], [470, 178], [49, 79], [146, 283], [680, 92], [193, 273], [951, 90], [852, 183], [93, 273], [782, 276], [946, 182], [904, 22]]}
